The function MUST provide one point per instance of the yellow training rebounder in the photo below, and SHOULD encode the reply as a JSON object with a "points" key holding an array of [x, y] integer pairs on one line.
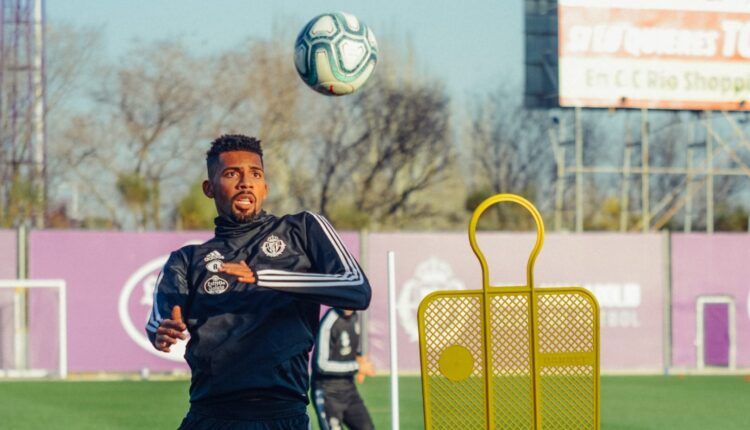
{"points": [[510, 357]]}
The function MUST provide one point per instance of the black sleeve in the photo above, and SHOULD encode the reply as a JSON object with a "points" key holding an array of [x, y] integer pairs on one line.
{"points": [[336, 279], [171, 289]]}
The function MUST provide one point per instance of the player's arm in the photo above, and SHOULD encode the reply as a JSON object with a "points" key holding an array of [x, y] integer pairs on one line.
{"points": [[336, 280], [165, 324]]}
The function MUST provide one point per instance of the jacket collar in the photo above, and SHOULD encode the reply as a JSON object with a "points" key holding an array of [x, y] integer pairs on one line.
{"points": [[227, 227]]}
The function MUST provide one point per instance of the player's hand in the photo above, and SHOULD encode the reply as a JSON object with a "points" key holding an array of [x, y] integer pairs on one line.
{"points": [[241, 270], [366, 368], [170, 330]]}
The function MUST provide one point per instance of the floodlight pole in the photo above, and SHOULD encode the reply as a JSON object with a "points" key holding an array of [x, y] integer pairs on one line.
{"points": [[38, 121]]}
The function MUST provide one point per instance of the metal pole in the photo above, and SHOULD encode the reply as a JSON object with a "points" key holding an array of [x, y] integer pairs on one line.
{"points": [[560, 189], [625, 179], [709, 174], [689, 192], [688, 224], [20, 301], [393, 340], [645, 198], [559, 152], [38, 126], [667, 313], [579, 174], [63, 331]]}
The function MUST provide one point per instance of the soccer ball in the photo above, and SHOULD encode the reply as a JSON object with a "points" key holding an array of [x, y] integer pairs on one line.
{"points": [[335, 53]]}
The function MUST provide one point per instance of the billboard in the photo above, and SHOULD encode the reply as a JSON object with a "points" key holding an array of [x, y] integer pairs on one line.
{"points": [[625, 273], [660, 54]]}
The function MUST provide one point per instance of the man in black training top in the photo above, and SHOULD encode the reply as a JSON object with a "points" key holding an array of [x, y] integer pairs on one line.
{"points": [[250, 299], [336, 360]]}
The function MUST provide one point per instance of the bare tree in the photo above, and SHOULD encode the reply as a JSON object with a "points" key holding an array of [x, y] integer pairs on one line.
{"points": [[373, 157], [254, 89], [142, 127], [509, 152], [70, 52]]}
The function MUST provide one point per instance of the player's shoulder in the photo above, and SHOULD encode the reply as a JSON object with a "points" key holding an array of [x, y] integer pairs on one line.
{"points": [[304, 218], [190, 249]]}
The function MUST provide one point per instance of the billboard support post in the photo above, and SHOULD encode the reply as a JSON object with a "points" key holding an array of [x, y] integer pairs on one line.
{"points": [[625, 177], [709, 174], [579, 171], [645, 198]]}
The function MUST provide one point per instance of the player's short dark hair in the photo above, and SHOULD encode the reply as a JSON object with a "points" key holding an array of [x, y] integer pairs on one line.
{"points": [[231, 142]]}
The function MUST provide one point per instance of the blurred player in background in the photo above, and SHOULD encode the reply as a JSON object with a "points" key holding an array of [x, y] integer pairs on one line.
{"points": [[337, 360], [250, 298]]}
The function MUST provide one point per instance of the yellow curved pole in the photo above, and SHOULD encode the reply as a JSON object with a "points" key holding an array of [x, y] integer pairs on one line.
{"points": [[499, 198], [486, 308]]}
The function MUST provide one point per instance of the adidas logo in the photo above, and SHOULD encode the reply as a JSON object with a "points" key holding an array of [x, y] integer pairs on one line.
{"points": [[213, 255]]}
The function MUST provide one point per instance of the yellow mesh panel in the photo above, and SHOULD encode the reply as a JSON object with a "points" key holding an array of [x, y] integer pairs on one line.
{"points": [[567, 329], [451, 321], [566, 322], [566, 396], [542, 346], [511, 362]]}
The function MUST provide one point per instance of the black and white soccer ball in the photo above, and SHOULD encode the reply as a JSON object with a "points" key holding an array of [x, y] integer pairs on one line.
{"points": [[335, 53]]}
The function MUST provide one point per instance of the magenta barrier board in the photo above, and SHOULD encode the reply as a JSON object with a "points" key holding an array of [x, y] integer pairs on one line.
{"points": [[707, 269], [625, 272], [110, 279], [8, 269]]}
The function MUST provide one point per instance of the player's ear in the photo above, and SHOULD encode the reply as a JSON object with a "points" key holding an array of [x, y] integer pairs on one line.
{"points": [[208, 189]]}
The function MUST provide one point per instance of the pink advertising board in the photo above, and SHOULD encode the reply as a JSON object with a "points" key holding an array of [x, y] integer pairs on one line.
{"points": [[625, 272], [110, 279], [8, 269], [709, 267]]}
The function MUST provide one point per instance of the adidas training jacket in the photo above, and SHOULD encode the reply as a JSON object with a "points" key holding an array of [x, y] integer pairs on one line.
{"points": [[249, 343]]}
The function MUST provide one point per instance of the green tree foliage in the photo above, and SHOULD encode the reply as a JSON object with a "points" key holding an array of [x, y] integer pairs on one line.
{"points": [[195, 211], [20, 202], [731, 218]]}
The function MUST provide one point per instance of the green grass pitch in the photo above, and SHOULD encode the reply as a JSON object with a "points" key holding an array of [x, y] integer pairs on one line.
{"points": [[628, 403]]}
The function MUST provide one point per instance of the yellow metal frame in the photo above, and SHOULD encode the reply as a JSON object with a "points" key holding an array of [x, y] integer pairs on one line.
{"points": [[544, 368]]}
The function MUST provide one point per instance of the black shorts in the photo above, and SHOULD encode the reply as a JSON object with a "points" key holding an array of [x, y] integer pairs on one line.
{"points": [[196, 421], [337, 402]]}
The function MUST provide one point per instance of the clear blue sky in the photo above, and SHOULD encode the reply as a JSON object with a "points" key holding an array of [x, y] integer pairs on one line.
{"points": [[472, 45]]}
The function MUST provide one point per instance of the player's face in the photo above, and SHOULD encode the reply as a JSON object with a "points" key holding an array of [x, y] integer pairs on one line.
{"points": [[238, 186]]}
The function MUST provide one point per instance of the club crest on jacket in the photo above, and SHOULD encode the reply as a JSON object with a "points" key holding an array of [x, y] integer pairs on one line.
{"points": [[215, 285], [273, 246]]}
